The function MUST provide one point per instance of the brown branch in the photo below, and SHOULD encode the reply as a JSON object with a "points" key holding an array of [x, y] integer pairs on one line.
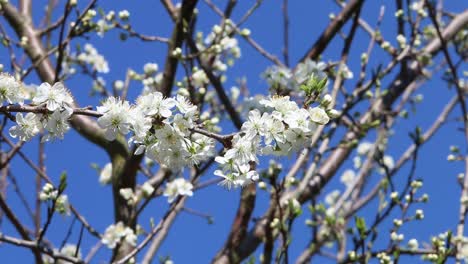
{"points": [[171, 9], [178, 35], [34, 246], [327, 35], [25, 7], [174, 209], [229, 253]]}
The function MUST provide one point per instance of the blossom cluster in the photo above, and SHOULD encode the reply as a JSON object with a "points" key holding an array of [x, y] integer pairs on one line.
{"points": [[177, 187], [115, 233], [68, 250], [363, 149], [10, 90], [280, 77], [55, 99], [133, 198], [221, 43], [282, 128], [162, 128], [92, 57], [49, 193]]}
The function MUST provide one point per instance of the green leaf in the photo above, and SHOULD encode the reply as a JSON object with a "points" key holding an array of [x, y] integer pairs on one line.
{"points": [[361, 226], [63, 182]]}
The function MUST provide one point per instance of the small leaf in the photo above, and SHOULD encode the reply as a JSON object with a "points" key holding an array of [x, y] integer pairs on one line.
{"points": [[63, 182], [361, 226]]}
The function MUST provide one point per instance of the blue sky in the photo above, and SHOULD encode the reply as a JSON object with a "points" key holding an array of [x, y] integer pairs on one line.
{"points": [[191, 239]]}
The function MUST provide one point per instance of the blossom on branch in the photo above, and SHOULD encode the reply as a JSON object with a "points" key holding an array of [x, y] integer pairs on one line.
{"points": [[54, 97], [26, 126], [10, 90]]}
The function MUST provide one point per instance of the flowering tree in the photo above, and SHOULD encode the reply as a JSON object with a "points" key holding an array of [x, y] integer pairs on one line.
{"points": [[318, 120]]}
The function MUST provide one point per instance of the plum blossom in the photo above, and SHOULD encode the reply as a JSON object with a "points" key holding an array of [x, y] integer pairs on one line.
{"points": [[185, 107], [153, 104], [147, 189], [57, 125], [388, 163], [177, 187], [254, 125], [279, 77], [9, 90], [68, 250], [150, 68], [364, 147], [319, 116], [115, 118], [26, 126], [309, 67], [243, 150], [54, 97], [280, 129], [348, 177], [92, 57], [48, 192], [62, 206], [199, 78], [105, 176], [234, 173], [128, 195], [114, 234], [140, 124]]}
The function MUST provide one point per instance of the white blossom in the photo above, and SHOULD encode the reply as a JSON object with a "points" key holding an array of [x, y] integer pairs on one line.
{"points": [[62, 205], [282, 104], [115, 233], [388, 162], [243, 150], [364, 147], [140, 124], [332, 197], [177, 187], [115, 117], [124, 14], [26, 127], [273, 130], [279, 77], [154, 104], [57, 125], [254, 125], [185, 107], [413, 244], [10, 90], [54, 97], [147, 189], [150, 68], [309, 67], [69, 250], [128, 195], [105, 176], [199, 78], [119, 85], [419, 214], [346, 72], [319, 116], [92, 57], [48, 192], [348, 177], [396, 237]]}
